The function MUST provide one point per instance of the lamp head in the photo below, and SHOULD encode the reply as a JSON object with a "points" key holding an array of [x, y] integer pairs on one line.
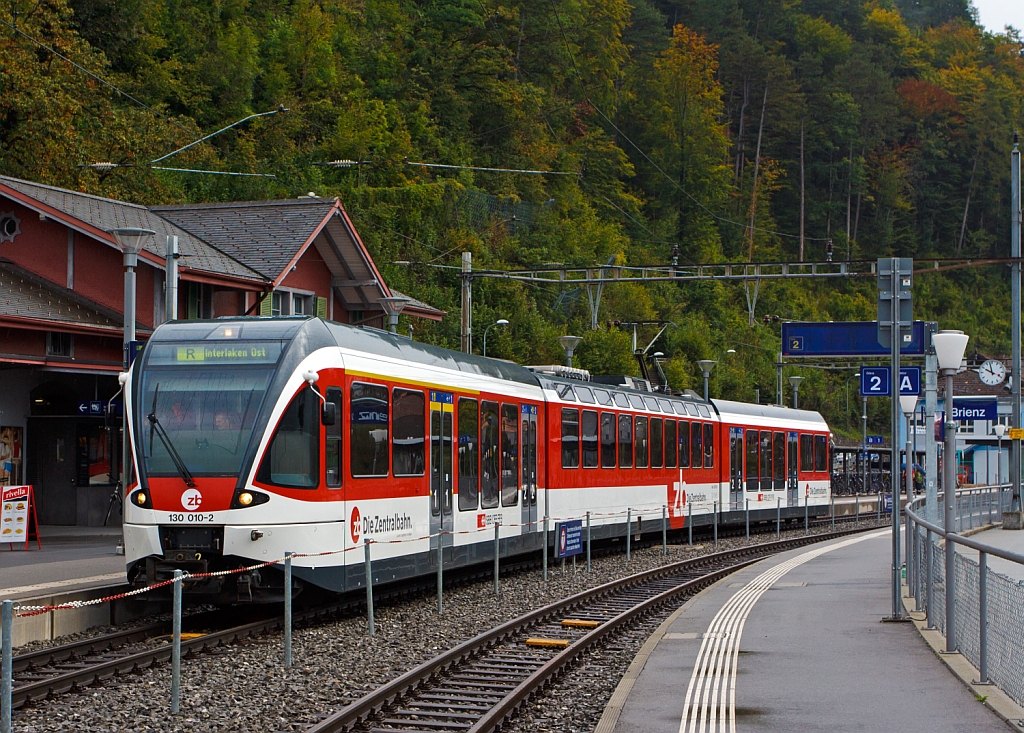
{"points": [[795, 381], [501, 322], [949, 348], [730, 351], [393, 306], [130, 241], [1000, 430], [657, 355], [908, 403], [706, 365]]}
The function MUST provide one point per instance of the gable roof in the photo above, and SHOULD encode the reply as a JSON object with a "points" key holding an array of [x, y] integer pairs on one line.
{"points": [[96, 216]]}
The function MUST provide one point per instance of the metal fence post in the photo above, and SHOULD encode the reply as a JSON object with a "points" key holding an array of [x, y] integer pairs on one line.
{"points": [[176, 645], [497, 530], [746, 509], [856, 518], [807, 501], [778, 517], [689, 520], [368, 571], [588, 542], [7, 671], [629, 530], [287, 609], [928, 581], [715, 517], [544, 562], [664, 529], [440, 573], [983, 616], [832, 509]]}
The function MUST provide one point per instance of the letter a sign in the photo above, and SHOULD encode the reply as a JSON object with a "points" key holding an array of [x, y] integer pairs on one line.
{"points": [[910, 380]]}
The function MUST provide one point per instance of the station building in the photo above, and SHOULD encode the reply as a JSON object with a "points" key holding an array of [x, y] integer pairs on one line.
{"points": [[62, 312]]}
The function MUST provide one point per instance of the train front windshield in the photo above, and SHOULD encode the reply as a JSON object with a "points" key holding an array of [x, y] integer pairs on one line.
{"points": [[200, 402]]}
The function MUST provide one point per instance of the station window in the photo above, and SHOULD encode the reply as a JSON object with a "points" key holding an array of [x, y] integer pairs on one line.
{"points": [[588, 431], [368, 444], [293, 457], [709, 445], [469, 455], [509, 455], [332, 469], [408, 433], [684, 444], [625, 441], [657, 442], [821, 453], [642, 447], [60, 344], [607, 440], [806, 453], [570, 438], [696, 445], [489, 441], [670, 444]]}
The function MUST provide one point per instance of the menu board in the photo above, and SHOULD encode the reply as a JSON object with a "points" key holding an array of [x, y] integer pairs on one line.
{"points": [[17, 515]]}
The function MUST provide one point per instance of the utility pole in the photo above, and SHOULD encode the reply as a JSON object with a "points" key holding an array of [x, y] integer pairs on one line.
{"points": [[467, 303], [171, 279], [1013, 521]]}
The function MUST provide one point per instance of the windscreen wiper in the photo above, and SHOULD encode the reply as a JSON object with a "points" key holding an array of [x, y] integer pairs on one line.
{"points": [[154, 424]]}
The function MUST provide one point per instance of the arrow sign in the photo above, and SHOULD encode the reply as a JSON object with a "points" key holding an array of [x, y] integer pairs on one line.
{"points": [[83, 408]]}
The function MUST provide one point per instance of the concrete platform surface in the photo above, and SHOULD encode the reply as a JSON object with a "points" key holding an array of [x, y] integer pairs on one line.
{"points": [[1005, 539], [71, 558], [796, 643]]}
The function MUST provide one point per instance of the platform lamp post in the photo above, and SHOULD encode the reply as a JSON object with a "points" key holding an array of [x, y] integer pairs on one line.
{"points": [[569, 343], [949, 348], [392, 307], [1000, 431], [795, 381], [499, 322], [908, 405], [706, 365], [130, 241]]}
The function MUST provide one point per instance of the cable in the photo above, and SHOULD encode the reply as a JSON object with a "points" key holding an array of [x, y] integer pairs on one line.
{"points": [[492, 170], [98, 78]]}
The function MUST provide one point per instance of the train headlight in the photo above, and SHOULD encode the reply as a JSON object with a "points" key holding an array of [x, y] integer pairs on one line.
{"points": [[245, 498], [141, 498]]}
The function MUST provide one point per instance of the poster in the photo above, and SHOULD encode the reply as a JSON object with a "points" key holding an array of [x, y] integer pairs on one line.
{"points": [[10, 455], [14, 514]]}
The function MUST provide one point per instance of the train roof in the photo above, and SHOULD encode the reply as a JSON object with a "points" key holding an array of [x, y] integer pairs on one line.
{"points": [[770, 412]]}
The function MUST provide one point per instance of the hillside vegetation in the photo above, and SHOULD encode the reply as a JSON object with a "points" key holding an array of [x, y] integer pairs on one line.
{"points": [[723, 128]]}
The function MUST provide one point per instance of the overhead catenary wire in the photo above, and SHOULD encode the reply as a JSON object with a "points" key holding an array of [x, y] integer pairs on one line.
{"points": [[492, 170]]}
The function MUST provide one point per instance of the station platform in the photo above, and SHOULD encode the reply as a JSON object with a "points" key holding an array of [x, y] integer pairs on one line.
{"points": [[795, 643], [71, 559]]}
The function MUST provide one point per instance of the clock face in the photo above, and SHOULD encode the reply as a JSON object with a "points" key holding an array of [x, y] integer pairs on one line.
{"points": [[992, 372]]}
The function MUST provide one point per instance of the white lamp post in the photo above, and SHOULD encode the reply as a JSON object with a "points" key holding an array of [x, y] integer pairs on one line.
{"points": [[130, 240], [1000, 431], [569, 343], [795, 381], [949, 349], [499, 322], [706, 365], [908, 405]]}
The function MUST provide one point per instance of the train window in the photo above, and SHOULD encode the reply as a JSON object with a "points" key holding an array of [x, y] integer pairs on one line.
{"points": [[806, 453], [565, 392], [603, 396], [666, 406], [625, 441], [293, 458], [752, 462], [652, 404], [680, 408], [820, 453], [588, 430], [332, 459], [696, 445], [657, 442], [570, 438], [490, 491], [407, 455], [607, 440], [637, 401], [509, 455], [641, 442], [780, 458], [585, 395], [684, 444], [368, 443], [620, 399], [766, 460], [670, 444], [692, 409], [469, 455], [704, 410], [709, 445]]}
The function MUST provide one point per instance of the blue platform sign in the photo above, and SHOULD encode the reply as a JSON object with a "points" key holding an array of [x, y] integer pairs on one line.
{"points": [[887, 503], [876, 440], [975, 410], [875, 382], [846, 338], [569, 538]]}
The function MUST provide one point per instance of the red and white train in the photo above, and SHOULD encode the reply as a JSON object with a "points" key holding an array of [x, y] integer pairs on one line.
{"points": [[253, 437]]}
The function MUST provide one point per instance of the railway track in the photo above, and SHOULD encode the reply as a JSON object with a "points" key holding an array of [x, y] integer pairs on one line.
{"points": [[479, 684]]}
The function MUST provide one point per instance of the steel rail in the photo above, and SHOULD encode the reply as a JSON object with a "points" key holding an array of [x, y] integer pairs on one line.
{"points": [[107, 642], [373, 702]]}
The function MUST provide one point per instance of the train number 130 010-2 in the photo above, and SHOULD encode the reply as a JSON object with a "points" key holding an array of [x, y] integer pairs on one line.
{"points": [[190, 518]]}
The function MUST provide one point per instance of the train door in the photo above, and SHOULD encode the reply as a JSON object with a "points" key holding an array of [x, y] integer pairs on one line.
{"points": [[793, 485], [528, 439], [736, 467], [441, 412]]}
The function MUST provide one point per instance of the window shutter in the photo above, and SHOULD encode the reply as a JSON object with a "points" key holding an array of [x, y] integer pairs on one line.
{"points": [[266, 304], [321, 307]]}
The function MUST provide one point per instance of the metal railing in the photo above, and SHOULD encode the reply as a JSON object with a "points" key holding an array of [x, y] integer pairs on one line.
{"points": [[982, 616]]}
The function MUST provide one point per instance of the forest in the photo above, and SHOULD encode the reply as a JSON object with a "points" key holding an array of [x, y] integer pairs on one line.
{"points": [[707, 131]]}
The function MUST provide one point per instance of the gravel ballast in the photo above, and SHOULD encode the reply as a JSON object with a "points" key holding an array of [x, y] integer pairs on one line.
{"points": [[244, 687]]}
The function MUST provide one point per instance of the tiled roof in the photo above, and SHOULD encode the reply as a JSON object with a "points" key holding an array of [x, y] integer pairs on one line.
{"points": [[25, 296], [107, 214], [264, 235]]}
